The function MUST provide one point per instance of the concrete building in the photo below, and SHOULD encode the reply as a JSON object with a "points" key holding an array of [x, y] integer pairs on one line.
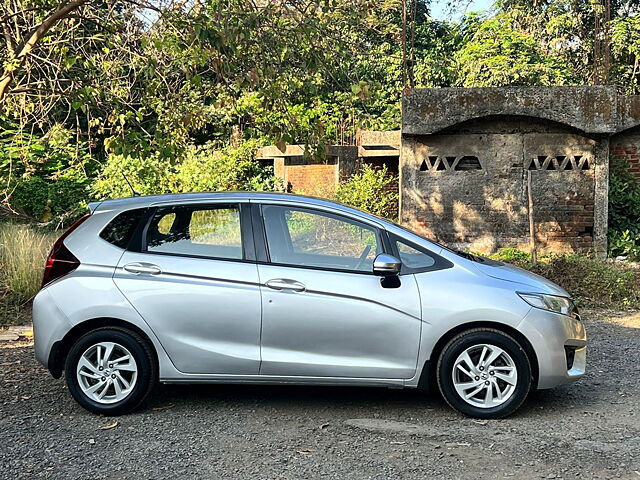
{"points": [[467, 155]]}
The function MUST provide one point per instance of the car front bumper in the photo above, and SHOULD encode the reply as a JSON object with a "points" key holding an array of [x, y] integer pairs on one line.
{"points": [[560, 345]]}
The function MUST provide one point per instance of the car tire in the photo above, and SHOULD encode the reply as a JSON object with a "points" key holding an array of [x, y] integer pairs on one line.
{"points": [[124, 384], [478, 385]]}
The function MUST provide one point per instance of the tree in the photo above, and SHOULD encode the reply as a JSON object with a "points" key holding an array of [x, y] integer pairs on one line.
{"points": [[20, 47], [499, 53], [625, 39]]}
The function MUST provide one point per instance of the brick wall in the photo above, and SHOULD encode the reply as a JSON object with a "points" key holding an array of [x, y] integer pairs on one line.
{"points": [[318, 179], [626, 146]]}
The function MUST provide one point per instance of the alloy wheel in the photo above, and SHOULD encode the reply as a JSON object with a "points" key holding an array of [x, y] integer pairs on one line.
{"points": [[485, 376], [107, 372]]}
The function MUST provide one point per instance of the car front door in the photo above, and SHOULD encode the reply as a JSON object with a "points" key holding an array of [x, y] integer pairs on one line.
{"points": [[194, 280], [324, 313]]}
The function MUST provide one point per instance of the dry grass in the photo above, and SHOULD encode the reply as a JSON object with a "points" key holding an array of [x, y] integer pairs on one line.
{"points": [[23, 252]]}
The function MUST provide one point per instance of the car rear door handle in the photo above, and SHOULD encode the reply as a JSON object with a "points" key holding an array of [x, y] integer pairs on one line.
{"points": [[146, 268], [285, 284]]}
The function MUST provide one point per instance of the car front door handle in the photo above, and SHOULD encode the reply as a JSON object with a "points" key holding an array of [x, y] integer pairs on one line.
{"points": [[285, 284], [145, 268]]}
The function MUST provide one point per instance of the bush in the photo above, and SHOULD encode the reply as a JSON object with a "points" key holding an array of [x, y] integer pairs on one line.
{"points": [[625, 243], [205, 169], [511, 255], [50, 200], [367, 191], [45, 177], [199, 169], [592, 282], [23, 252], [624, 212]]}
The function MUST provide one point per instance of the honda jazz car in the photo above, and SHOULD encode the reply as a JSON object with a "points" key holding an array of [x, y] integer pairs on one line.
{"points": [[275, 288]]}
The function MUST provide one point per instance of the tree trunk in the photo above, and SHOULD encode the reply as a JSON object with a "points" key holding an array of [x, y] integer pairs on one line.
{"points": [[27, 46]]}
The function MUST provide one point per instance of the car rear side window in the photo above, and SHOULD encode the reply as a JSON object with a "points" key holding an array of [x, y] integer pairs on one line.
{"points": [[212, 231], [119, 231]]}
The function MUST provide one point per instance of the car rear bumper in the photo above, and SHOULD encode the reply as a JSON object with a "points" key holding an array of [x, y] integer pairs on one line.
{"points": [[560, 344], [49, 326]]}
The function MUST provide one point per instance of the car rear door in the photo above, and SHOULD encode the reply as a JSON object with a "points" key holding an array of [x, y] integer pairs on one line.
{"points": [[194, 280], [324, 312]]}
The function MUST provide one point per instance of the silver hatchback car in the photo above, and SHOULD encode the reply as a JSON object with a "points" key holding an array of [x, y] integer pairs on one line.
{"points": [[274, 288]]}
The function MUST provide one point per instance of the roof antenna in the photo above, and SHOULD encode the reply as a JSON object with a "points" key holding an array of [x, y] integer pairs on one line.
{"points": [[133, 191]]}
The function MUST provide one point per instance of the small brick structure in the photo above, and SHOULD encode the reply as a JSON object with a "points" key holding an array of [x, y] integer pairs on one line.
{"points": [[467, 155], [302, 174], [380, 149]]}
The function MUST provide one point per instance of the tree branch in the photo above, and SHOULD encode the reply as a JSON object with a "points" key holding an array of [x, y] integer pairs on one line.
{"points": [[27, 46]]}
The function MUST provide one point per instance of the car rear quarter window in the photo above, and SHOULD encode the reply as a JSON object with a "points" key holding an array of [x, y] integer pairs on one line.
{"points": [[119, 231]]}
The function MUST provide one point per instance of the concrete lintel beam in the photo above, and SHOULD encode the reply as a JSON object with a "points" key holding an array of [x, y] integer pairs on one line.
{"points": [[591, 109]]}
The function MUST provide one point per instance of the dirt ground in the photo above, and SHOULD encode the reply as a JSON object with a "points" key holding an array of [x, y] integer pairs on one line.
{"points": [[590, 429]]}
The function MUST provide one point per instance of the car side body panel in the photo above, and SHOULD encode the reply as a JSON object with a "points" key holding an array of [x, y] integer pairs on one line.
{"points": [[85, 295], [205, 312], [344, 325]]}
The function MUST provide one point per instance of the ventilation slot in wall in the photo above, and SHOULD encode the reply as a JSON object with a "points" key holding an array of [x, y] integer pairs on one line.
{"points": [[464, 163], [468, 163], [559, 162]]}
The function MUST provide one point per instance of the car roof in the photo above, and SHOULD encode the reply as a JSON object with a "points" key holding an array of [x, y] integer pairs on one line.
{"points": [[129, 203]]}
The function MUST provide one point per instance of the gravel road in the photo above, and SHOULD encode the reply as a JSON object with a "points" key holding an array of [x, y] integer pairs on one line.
{"points": [[590, 429]]}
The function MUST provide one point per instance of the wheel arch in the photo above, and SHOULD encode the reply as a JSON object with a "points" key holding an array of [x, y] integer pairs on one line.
{"points": [[428, 374], [60, 349]]}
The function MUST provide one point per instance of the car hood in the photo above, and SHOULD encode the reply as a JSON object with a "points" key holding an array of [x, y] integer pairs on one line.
{"points": [[530, 281]]}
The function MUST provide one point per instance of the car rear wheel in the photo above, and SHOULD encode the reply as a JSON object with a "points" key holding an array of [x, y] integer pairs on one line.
{"points": [[484, 373], [110, 371]]}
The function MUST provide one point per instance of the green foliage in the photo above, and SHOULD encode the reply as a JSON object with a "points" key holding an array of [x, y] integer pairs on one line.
{"points": [[46, 177], [498, 54], [511, 255], [624, 211], [205, 169], [437, 44], [625, 243], [148, 175], [625, 43], [592, 282], [199, 169], [367, 190]]}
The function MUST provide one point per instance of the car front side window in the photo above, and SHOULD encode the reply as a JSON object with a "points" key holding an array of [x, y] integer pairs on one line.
{"points": [[310, 238]]}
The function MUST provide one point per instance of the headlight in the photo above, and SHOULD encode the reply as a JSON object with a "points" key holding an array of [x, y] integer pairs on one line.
{"points": [[553, 303]]}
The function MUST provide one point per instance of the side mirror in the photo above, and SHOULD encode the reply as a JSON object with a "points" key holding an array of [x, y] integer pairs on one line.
{"points": [[386, 265]]}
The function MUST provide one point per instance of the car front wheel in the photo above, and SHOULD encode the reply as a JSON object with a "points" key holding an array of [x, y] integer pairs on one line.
{"points": [[484, 373], [110, 371]]}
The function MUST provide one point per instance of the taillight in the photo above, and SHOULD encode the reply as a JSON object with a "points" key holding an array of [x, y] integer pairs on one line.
{"points": [[61, 261]]}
